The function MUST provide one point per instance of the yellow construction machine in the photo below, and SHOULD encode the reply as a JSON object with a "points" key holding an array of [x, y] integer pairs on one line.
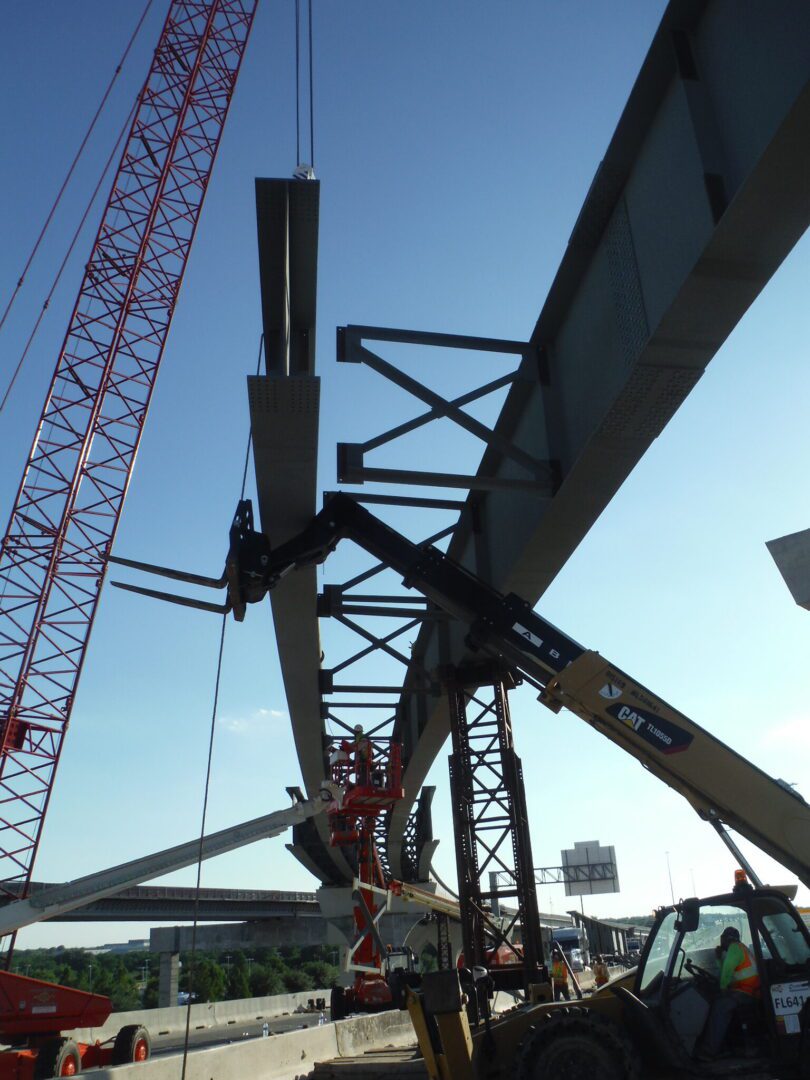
{"points": [[649, 1022]]}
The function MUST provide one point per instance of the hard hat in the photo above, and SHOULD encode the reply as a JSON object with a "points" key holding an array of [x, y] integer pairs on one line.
{"points": [[731, 933]]}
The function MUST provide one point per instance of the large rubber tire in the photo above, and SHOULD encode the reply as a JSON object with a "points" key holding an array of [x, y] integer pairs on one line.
{"points": [[576, 1044], [337, 1003], [57, 1057], [132, 1043]]}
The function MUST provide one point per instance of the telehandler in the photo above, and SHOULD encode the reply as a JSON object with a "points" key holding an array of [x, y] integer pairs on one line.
{"points": [[646, 1022]]}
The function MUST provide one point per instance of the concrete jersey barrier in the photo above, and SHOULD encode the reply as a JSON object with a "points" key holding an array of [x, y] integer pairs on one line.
{"points": [[290, 1056], [204, 1015]]}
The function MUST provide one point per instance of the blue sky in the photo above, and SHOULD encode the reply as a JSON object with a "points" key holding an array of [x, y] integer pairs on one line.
{"points": [[455, 144]]}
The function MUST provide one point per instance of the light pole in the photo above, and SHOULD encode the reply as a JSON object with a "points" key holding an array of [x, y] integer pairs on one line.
{"points": [[669, 875]]}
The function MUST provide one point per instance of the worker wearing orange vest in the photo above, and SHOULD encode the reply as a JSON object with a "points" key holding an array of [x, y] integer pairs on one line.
{"points": [[739, 984], [559, 975], [600, 972]]}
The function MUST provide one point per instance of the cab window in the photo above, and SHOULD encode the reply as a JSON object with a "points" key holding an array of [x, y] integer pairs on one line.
{"points": [[784, 938], [660, 950], [699, 948]]}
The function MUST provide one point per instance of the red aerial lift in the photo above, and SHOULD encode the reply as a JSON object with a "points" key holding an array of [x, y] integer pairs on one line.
{"points": [[34, 1015], [369, 771], [33, 1018]]}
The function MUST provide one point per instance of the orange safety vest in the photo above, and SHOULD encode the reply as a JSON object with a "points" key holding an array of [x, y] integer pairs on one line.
{"points": [[745, 976], [600, 974], [559, 972]]}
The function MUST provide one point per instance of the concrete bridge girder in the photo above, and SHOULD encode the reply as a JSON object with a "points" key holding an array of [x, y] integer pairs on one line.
{"points": [[700, 196]]}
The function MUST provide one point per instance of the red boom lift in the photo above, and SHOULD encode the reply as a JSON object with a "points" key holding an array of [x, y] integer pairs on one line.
{"points": [[33, 1017], [370, 773]]}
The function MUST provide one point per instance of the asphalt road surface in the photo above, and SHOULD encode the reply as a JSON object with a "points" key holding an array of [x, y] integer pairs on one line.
{"points": [[223, 1034]]}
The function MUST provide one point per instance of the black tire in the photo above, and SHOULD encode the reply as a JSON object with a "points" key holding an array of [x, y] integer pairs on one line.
{"points": [[576, 1044], [54, 1058], [132, 1043], [337, 1003]]}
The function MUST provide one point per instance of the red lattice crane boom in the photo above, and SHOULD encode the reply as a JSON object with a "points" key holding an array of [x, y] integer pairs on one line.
{"points": [[67, 508]]}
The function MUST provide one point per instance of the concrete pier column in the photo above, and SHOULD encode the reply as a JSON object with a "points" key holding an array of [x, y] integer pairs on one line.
{"points": [[168, 984]]}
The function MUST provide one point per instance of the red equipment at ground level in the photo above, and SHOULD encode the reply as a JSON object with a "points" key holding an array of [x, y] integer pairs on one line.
{"points": [[33, 1016], [370, 773]]}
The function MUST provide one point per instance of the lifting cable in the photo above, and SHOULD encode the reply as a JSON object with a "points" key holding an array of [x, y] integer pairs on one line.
{"points": [[68, 253], [74, 163], [298, 93], [439, 881], [204, 815], [311, 98]]}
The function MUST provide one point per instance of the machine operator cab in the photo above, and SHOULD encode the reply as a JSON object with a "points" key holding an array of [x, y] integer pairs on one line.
{"points": [[678, 981]]}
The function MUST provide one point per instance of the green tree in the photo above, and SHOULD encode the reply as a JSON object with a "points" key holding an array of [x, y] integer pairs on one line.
{"points": [[296, 980], [125, 994], [151, 992], [238, 985], [206, 980], [321, 973], [264, 982]]}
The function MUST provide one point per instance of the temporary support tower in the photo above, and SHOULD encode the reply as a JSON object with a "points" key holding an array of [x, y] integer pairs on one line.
{"points": [[67, 508], [492, 829]]}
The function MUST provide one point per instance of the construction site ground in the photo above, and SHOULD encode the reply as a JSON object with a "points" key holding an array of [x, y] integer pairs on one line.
{"points": [[375, 1065], [395, 1062]]}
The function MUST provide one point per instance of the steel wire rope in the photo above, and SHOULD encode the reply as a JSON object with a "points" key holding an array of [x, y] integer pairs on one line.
{"points": [[298, 161], [311, 98], [215, 704], [74, 163], [68, 253], [297, 83], [439, 881], [36, 467]]}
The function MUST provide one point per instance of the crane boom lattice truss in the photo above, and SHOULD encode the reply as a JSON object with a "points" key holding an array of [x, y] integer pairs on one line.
{"points": [[65, 516]]}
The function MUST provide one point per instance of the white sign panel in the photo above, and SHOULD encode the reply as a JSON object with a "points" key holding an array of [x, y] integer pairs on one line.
{"points": [[788, 1001], [590, 868]]}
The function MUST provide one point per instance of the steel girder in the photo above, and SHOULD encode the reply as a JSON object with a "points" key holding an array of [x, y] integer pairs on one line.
{"points": [[700, 196]]}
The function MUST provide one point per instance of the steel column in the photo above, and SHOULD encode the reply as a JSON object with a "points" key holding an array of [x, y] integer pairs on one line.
{"points": [[492, 829]]}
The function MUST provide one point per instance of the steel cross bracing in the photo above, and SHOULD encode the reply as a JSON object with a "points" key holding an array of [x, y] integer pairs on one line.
{"points": [[361, 614], [568, 875], [492, 830], [699, 197], [537, 476], [76, 476]]}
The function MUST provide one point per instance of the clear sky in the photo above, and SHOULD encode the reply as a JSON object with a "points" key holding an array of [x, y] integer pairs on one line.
{"points": [[455, 143]]}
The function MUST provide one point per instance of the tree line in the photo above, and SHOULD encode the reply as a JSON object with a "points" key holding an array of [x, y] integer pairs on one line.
{"points": [[130, 979]]}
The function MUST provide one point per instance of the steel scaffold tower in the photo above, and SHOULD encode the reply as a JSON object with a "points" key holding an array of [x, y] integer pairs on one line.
{"points": [[68, 504]]}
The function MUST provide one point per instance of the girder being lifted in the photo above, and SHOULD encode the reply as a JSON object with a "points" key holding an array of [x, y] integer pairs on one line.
{"points": [[699, 197]]}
